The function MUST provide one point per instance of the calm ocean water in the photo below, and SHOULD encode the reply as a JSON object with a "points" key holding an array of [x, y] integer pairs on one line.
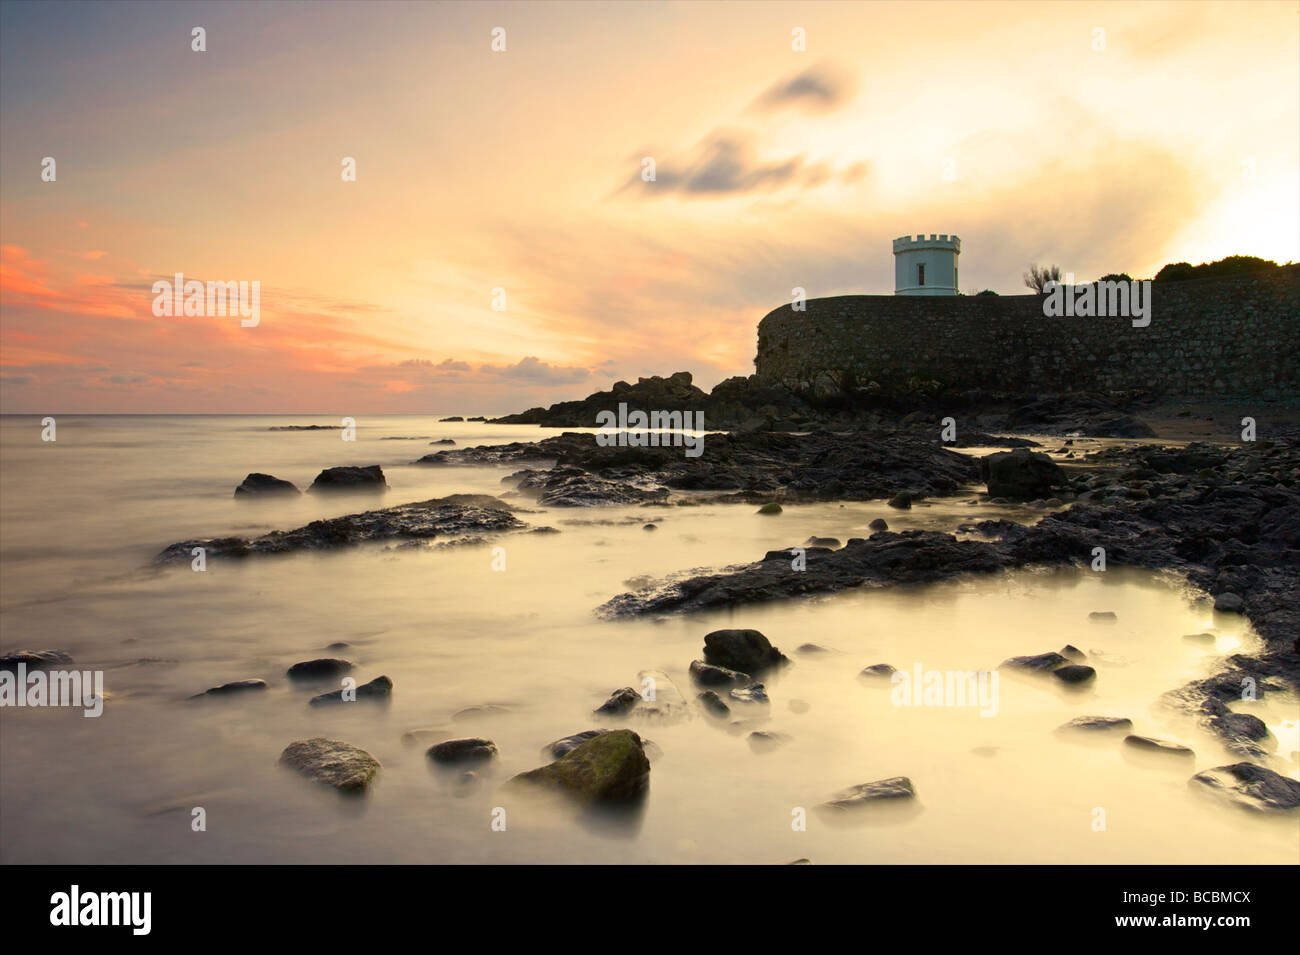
{"points": [[82, 517]]}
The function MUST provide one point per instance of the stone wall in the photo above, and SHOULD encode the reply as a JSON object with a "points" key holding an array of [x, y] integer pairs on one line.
{"points": [[1230, 337]]}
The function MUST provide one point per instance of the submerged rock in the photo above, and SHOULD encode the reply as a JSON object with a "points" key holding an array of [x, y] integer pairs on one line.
{"points": [[621, 702], [380, 689], [878, 672], [711, 675], [1074, 673], [369, 478], [264, 485], [332, 762], [474, 749], [763, 741], [1097, 724], [227, 689], [1250, 786], [457, 516], [35, 659], [1042, 662], [609, 767], [320, 669], [745, 650], [1150, 744], [713, 703], [869, 794], [754, 693]]}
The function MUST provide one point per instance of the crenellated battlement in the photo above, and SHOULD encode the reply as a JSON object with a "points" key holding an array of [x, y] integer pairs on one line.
{"points": [[907, 243]]}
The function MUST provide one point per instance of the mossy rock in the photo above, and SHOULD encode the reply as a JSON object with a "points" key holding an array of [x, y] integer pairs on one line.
{"points": [[771, 507], [332, 762], [611, 767]]}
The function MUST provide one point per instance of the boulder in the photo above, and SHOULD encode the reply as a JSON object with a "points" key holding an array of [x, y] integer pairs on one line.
{"points": [[621, 702], [1250, 786], [1042, 662], [1164, 747], [379, 689], [474, 749], [713, 703], [320, 669], [1074, 673], [1020, 474], [264, 485], [610, 767], [332, 762], [369, 478], [745, 650], [1229, 603], [868, 794], [754, 693]]}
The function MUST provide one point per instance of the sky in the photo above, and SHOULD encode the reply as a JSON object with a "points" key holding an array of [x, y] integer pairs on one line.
{"points": [[501, 246]]}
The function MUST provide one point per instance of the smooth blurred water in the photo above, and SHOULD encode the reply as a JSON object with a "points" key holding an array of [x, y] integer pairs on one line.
{"points": [[81, 518]]}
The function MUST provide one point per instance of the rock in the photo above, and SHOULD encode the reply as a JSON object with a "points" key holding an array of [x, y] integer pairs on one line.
{"points": [[799, 706], [562, 746], [380, 689], [1250, 786], [762, 741], [370, 478], [443, 441], [1072, 653], [1152, 745], [745, 650], [610, 767], [1021, 474], [1229, 603], [822, 542], [332, 762], [479, 711], [711, 675], [1074, 673], [754, 693], [1103, 616], [1097, 724], [902, 500], [649, 527], [771, 507], [453, 517], [713, 703], [879, 524], [1244, 726], [810, 648], [869, 794], [453, 418], [1041, 662], [35, 659], [587, 490], [227, 689], [320, 669], [463, 750], [264, 485], [878, 672], [621, 702], [1201, 639]]}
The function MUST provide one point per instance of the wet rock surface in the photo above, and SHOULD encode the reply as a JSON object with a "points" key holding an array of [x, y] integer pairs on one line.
{"points": [[473, 749], [1250, 786], [264, 485], [746, 651], [35, 659], [368, 478], [752, 466], [332, 762], [456, 517], [609, 767]]}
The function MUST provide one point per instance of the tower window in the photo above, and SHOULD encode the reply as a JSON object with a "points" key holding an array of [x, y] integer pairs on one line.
{"points": [[920, 274]]}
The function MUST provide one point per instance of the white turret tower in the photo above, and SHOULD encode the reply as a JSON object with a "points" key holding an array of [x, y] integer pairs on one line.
{"points": [[926, 266]]}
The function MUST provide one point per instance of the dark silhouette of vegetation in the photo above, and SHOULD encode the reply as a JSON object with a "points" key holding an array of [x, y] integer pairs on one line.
{"points": [[987, 291], [1232, 265], [1117, 277], [1037, 278]]}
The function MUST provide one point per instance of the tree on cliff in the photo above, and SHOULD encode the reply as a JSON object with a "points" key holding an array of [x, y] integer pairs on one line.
{"points": [[1037, 278], [1232, 265]]}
